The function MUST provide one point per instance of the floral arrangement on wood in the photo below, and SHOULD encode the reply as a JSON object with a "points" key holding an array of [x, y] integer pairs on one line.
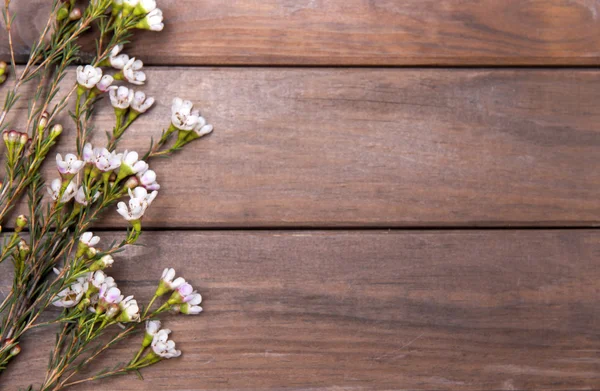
{"points": [[56, 260]]}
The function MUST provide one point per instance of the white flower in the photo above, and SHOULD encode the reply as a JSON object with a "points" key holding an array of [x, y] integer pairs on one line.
{"points": [[88, 154], [107, 260], [70, 296], [133, 73], [88, 76], [148, 180], [130, 165], [200, 130], [99, 278], [168, 282], [130, 311], [140, 103], [137, 207], [110, 295], [130, 4], [145, 6], [152, 327], [203, 130], [142, 193], [86, 244], [152, 21], [182, 115], [183, 294], [105, 83], [102, 263], [89, 239], [81, 198], [106, 161], [120, 97], [68, 194], [70, 166], [191, 307], [117, 60], [162, 346]]}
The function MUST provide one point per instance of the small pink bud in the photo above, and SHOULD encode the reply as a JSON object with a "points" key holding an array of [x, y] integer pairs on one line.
{"points": [[21, 223], [23, 138], [75, 14], [132, 182], [15, 351], [13, 136], [56, 131], [43, 121]]}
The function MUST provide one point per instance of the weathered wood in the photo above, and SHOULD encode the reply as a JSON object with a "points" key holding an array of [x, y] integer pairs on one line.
{"points": [[367, 310], [358, 32], [324, 147]]}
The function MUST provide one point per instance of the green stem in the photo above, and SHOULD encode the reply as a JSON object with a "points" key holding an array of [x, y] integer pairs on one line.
{"points": [[149, 305], [137, 356]]}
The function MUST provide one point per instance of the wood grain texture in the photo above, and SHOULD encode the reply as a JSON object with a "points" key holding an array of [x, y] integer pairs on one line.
{"points": [[461, 310], [324, 147], [359, 32]]}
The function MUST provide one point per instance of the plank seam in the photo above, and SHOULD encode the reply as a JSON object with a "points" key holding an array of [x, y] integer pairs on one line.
{"points": [[344, 229]]}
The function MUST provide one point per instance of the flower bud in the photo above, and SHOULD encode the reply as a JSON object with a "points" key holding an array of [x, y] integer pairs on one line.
{"points": [[84, 303], [56, 131], [91, 252], [112, 311], [15, 351], [75, 14], [3, 66], [23, 247], [43, 124], [62, 13], [132, 182], [23, 138], [188, 309], [102, 263], [21, 223], [12, 137]]}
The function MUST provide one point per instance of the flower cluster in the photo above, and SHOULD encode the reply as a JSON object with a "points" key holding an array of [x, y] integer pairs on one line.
{"points": [[90, 181], [187, 121], [98, 293], [127, 103], [151, 16], [93, 80], [158, 339], [183, 298], [106, 171], [15, 144], [94, 290]]}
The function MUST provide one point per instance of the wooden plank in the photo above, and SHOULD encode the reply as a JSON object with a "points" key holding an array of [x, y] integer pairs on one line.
{"points": [[386, 147], [357, 32], [462, 310]]}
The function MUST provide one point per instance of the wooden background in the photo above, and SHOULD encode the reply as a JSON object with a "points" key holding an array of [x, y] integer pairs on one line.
{"points": [[399, 194]]}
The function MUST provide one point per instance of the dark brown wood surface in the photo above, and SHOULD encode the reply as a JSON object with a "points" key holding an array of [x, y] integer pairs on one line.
{"points": [[461, 310], [375, 147], [359, 32]]}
